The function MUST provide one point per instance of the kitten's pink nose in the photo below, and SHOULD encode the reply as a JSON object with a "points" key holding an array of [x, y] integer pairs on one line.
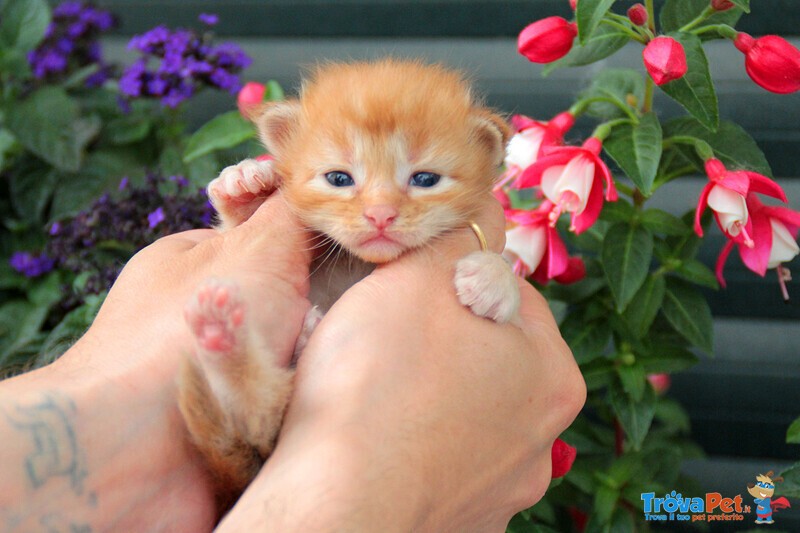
{"points": [[380, 216]]}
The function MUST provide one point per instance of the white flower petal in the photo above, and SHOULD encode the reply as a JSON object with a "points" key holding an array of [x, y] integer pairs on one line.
{"points": [[527, 244], [731, 208], [784, 247], [576, 177], [523, 148]]}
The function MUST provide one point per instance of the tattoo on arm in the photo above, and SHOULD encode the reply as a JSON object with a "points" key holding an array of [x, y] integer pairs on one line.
{"points": [[49, 425]]}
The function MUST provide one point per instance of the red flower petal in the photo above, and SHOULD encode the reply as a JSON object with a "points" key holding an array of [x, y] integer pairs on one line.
{"points": [[546, 40], [764, 185], [723, 256], [701, 206], [594, 205], [757, 257]]}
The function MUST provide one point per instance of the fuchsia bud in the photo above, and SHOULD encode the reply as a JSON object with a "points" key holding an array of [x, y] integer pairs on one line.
{"points": [[573, 4], [721, 5], [638, 14], [252, 93], [771, 62], [546, 40], [562, 456], [660, 382], [664, 60]]}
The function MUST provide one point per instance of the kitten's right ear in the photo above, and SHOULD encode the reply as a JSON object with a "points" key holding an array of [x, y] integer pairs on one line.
{"points": [[276, 122]]}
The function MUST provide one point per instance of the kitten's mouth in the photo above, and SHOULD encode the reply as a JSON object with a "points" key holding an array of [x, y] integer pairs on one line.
{"points": [[379, 248]]}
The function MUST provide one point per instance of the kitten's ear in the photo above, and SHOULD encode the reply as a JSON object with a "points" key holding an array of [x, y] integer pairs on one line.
{"points": [[493, 132], [276, 122]]}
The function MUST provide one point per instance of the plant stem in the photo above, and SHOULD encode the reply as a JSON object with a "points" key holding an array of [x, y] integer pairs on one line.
{"points": [[582, 105], [635, 35], [649, 89], [651, 15], [707, 12], [723, 30], [619, 438]]}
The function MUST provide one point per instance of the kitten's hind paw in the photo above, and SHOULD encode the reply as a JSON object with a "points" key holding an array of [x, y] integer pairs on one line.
{"points": [[215, 315], [486, 284]]}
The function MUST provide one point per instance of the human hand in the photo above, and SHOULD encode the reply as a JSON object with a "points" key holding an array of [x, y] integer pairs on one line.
{"points": [[118, 430], [411, 413]]}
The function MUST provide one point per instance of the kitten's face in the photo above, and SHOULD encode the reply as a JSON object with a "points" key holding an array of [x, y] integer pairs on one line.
{"points": [[384, 157]]}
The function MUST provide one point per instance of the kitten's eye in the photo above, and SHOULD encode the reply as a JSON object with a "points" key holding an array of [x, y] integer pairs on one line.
{"points": [[337, 178], [425, 179]]}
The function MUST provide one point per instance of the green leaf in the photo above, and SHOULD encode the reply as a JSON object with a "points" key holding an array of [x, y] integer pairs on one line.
{"points": [[696, 272], [688, 312], [659, 221], [603, 42], [102, 172], [672, 413], [619, 211], [7, 142], [588, 15], [791, 481], [223, 131], [645, 304], [46, 291], [127, 129], [793, 433], [23, 23], [605, 501], [47, 123], [731, 144], [626, 254], [633, 380], [637, 150], [31, 191], [695, 90], [667, 358], [634, 416], [744, 5], [621, 85], [274, 92], [597, 373], [71, 327], [677, 13], [586, 340], [20, 322]]}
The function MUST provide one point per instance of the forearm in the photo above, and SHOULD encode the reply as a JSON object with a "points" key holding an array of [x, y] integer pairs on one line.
{"points": [[85, 452]]}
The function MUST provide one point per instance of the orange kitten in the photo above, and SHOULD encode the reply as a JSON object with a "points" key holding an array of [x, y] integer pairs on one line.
{"points": [[381, 157]]}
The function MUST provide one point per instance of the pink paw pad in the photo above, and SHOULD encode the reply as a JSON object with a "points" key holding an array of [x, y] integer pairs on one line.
{"points": [[215, 315]]}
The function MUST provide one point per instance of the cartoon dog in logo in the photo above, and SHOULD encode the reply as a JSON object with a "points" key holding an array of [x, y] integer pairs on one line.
{"points": [[762, 492]]}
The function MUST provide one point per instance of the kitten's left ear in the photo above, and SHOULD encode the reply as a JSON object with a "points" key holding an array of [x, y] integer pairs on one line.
{"points": [[493, 132]]}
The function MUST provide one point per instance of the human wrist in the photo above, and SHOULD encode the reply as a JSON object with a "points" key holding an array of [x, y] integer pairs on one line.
{"points": [[92, 450], [337, 482]]}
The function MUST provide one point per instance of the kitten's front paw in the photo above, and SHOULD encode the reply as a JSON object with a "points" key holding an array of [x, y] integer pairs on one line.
{"points": [[215, 316], [486, 284], [239, 189]]}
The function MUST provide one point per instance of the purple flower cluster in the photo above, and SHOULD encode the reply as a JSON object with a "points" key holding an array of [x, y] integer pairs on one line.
{"points": [[101, 239], [70, 42], [186, 62], [31, 265]]}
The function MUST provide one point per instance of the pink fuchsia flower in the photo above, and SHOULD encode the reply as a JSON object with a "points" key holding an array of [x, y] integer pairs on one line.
{"points": [[664, 59], [532, 139], [572, 179], [535, 249], [725, 193], [573, 4], [775, 232], [252, 93], [547, 39], [771, 62]]}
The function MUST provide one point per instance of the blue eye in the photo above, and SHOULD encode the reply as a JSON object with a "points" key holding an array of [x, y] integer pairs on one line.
{"points": [[337, 178], [425, 179]]}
